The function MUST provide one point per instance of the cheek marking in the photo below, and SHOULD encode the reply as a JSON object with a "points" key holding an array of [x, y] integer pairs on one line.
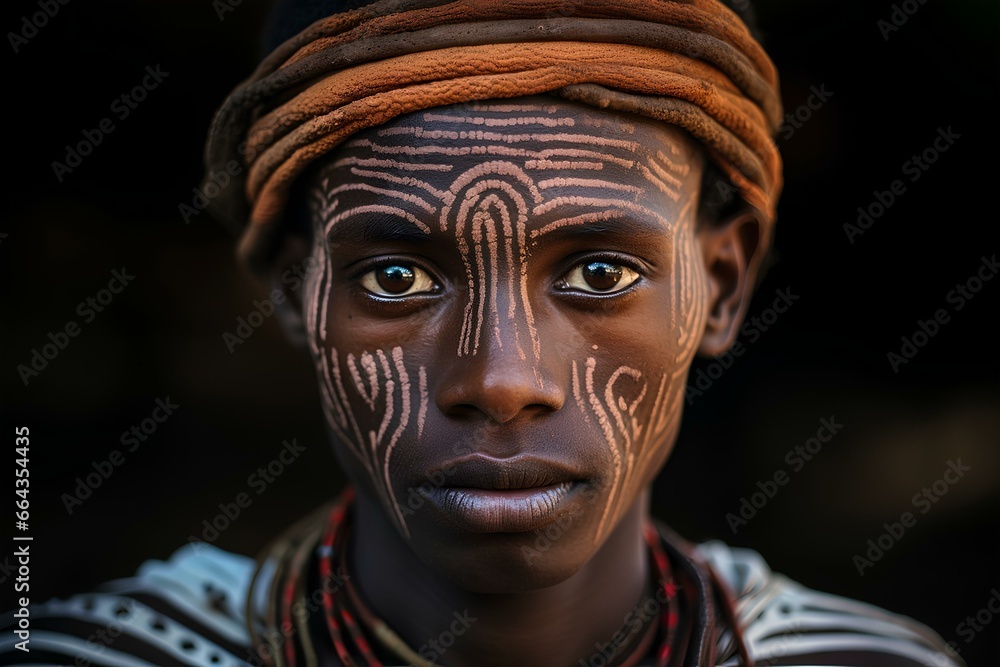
{"points": [[609, 436], [336, 396], [390, 385], [626, 437], [577, 395], [404, 385], [368, 363], [690, 293], [340, 416], [376, 457], [628, 431], [422, 413]]}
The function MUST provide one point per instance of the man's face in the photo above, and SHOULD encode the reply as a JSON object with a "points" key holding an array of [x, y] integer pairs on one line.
{"points": [[511, 294]]}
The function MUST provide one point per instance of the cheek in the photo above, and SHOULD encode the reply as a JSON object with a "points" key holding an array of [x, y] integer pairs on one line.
{"points": [[636, 407], [372, 399]]}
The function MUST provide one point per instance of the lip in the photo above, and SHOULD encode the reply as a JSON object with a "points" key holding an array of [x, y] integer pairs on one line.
{"points": [[486, 495]]}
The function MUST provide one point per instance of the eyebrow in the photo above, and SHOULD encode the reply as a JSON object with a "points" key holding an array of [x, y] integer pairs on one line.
{"points": [[604, 223], [376, 227], [383, 227]]}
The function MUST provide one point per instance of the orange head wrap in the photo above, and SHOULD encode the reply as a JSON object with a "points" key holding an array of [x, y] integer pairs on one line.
{"points": [[691, 63]]}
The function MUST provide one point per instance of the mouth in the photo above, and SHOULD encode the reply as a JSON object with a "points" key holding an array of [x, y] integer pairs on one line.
{"points": [[481, 494]]}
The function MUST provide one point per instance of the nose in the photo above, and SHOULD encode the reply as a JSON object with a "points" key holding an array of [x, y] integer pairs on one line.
{"points": [[499, 381]]}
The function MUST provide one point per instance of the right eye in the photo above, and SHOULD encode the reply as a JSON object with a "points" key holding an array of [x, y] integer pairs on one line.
{"points": [[397, 279]]}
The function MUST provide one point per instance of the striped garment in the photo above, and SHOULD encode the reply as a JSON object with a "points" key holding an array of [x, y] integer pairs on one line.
{"points": [[192, 610]]}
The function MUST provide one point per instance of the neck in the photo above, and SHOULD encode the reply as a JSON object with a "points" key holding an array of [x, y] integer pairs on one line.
{"points": [[568, 624]]}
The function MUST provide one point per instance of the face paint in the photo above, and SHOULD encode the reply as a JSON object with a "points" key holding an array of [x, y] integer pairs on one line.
{"points": [[511, 210], [630, 440]]}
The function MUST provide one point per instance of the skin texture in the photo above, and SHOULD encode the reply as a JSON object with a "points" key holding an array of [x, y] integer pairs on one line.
{"points": [[518, 286]]}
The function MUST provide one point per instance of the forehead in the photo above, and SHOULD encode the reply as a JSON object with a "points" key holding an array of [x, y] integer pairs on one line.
{"points": [[538, 162]]}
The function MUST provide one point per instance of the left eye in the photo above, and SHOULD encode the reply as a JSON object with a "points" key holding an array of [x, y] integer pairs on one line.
{"points": [[600, 277], [396, 280]]}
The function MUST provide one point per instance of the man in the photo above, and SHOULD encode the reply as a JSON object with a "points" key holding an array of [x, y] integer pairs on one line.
{"points": [[524, 222]]}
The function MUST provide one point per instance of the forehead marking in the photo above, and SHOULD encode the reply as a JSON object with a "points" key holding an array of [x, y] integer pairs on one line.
{"points": [[400, 180], [515, 108], [555, 203], [394, 194], [389, 164], [561, 182], [501, 122]]}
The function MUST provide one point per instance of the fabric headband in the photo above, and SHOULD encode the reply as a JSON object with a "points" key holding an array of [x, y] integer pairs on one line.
{"points": [[690, 63]]}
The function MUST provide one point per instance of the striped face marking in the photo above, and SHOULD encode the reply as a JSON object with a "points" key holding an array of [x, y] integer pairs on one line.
{"points": [[549, 238]]}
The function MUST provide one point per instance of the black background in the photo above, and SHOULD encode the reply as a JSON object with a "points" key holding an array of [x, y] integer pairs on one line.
{"points": [[825, 357]]}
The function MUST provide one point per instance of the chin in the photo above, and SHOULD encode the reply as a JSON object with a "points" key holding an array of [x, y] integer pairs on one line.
{"points": [[509, 562]]}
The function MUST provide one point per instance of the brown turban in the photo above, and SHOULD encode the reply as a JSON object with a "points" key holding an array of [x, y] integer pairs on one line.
{"points": [[690, 63]]}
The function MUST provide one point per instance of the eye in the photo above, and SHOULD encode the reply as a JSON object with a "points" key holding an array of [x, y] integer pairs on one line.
{"points": [[397, 279], [599, 277]]}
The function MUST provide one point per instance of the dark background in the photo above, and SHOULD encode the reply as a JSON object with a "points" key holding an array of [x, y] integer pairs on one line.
{"points": [[825, 357]]}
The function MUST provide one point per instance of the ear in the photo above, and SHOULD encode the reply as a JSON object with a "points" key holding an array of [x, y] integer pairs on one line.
{"points": [[287, 274], [733, 250]]}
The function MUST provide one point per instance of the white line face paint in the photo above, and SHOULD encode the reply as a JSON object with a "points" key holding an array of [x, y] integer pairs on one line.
{"points": [[636, 436], [494, 187]]}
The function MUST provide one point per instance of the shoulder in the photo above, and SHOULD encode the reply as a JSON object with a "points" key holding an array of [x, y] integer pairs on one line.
{"points": [[785, 623], [186, 610]]}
